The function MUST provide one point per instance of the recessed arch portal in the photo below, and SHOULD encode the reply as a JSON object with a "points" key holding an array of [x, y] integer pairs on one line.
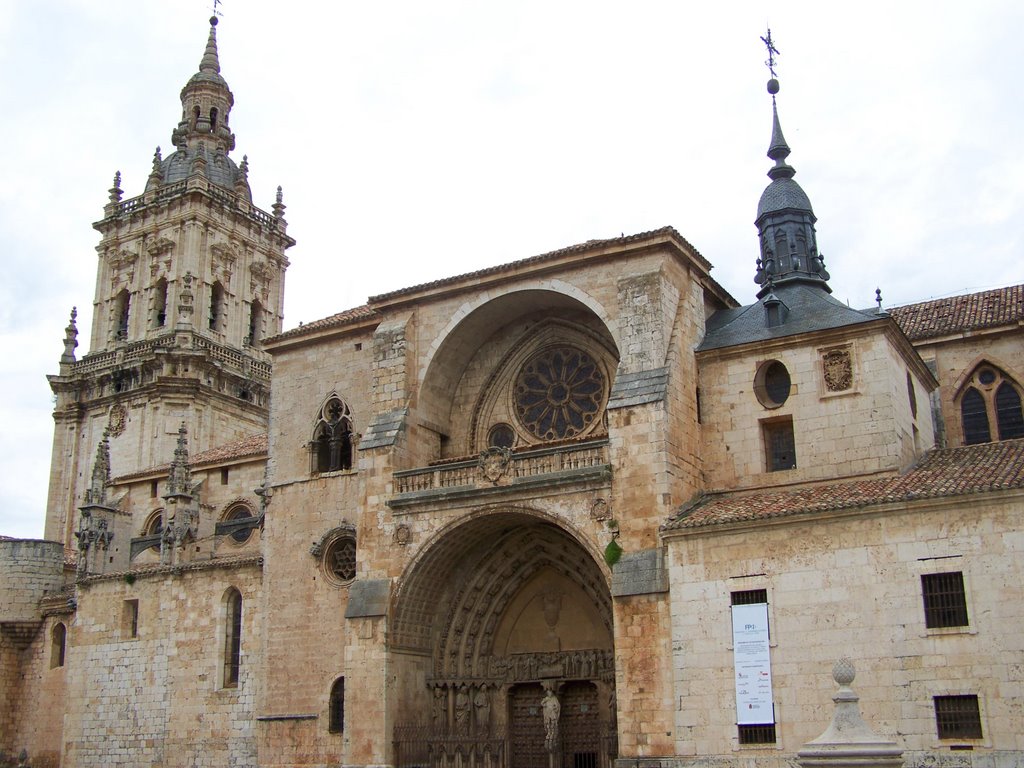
{"points": [[502, 599]]}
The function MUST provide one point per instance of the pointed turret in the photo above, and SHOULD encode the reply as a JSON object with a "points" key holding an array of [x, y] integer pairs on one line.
{"points": [[785, 221]]}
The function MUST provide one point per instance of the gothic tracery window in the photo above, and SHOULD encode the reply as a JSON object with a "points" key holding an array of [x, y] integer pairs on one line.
{"points": [[991, 399], [340, 559], [332, 437], [559, 393]]}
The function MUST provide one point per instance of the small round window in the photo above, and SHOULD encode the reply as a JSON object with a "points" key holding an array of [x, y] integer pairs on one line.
{"points": [[340, 560], [772, 385], [242, 515], [501, 436]]}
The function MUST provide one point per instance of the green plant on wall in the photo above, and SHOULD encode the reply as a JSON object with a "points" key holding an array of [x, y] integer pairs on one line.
{"points": [[612, 553]]}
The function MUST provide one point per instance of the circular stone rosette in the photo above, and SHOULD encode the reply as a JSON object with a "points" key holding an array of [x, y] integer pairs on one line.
{"points": [[559, 393]]}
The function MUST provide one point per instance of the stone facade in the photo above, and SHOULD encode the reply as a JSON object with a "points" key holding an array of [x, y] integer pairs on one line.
{"points": [[502, 519]]}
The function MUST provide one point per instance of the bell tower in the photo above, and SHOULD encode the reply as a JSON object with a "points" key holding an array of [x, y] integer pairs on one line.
{"points": [[189, 280]]}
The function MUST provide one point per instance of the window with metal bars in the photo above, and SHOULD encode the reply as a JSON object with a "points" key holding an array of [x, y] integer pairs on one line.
{"points": [[780, 445], [958, 717], [750, 597], [756, 734], [945, 602]]}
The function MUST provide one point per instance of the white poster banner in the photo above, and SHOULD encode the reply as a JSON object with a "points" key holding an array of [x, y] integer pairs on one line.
{"points": [[752, 666]]}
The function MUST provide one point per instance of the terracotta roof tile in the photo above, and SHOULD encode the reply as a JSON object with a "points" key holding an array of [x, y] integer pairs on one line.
{"points": [[253, 445], [949, 472], [549, 256], [956, 314], [363, 312]]}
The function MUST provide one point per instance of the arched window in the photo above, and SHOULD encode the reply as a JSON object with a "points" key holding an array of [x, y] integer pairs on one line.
{"points": [[216, 307], [160, 303], [213, 119], [232, 637], [991, 398], [58, 644], [122, 307], [336, 707], [332, 438], [1009, 416], [153, 527], [255, 323]]}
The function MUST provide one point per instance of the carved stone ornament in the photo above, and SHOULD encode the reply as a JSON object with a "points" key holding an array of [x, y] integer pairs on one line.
{"points": [[116, 420], [260, 272], [402, 535], [838, 370], [224, 257], [122, 258], [345, 529], [159, 246], [494, 463], [600, 510]]}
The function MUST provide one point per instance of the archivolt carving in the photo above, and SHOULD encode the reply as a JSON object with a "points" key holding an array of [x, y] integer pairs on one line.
{"points": [[224, 257]]}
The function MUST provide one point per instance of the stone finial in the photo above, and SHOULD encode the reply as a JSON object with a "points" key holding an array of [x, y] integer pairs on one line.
{"points": [[878, 298], [210, 62], [115, 191], [70, 338], [849, 741], [243, 169], [279, 205], [185, 307], [179, 478], [97, 492]]}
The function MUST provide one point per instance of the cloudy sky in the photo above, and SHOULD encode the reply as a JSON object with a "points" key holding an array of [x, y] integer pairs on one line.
{"points": [[417, 140]]}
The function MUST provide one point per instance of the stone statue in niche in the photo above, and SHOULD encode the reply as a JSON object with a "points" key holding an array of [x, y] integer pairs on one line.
{"points": [[440, 708], [462, 710], [482, 704], [552, 710]]}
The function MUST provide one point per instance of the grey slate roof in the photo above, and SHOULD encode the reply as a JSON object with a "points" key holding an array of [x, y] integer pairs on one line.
{"points": [[810, 309]]}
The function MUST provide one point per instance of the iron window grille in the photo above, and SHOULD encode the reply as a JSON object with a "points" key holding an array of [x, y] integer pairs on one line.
{"points": [[945, 602], [756, 734], [958, 717]]}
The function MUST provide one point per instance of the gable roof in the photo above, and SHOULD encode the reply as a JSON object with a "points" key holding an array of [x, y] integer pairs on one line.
{"points": [[943, 473], [957, 314]]}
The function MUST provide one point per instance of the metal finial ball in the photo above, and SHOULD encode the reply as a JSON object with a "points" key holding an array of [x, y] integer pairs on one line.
{"points": [[213, 21], [773, 86]]}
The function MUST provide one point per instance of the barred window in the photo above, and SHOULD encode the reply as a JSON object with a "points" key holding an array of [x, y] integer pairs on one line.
{"points": [[756, 734], [779, 445], [749, 597], [945, 602], [958, 717]]}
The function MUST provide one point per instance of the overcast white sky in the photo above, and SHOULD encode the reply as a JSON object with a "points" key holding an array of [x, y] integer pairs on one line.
{"points": [[417, 140]]}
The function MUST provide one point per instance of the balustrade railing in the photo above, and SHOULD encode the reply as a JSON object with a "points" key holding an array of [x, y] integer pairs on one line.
{"points": [[223, 196], [519, 466], [138, 350]]}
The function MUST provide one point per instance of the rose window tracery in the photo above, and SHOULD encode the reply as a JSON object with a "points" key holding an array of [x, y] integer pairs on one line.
{"points": [[559, 393]]}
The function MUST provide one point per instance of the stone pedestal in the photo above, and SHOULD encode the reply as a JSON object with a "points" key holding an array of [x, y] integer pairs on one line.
{"points": [[849, 742]]}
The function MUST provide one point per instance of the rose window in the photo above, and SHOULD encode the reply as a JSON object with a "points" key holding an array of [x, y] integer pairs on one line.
{"points": [[340, 559], [559, 393]]}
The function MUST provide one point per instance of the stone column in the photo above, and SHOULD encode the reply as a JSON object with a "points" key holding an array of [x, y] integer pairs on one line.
{"points": [[848, 742]]}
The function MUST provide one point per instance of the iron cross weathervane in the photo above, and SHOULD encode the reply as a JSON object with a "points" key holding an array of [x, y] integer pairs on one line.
{"points": [[217, 3], [769, 44]]}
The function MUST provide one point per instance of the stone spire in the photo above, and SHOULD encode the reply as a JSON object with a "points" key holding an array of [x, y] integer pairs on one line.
{"points": [[785, 219], [179, 479]]}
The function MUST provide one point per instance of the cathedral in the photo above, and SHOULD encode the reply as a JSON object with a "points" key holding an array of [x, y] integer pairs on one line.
{"points": [[585, 509]]}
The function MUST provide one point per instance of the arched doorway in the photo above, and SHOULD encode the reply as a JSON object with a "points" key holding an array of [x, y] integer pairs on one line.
{"points": [[498, 615]]}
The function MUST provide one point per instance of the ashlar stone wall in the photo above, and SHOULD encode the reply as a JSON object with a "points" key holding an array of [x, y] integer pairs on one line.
{"points": [[850, 585], [178, 711]]}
